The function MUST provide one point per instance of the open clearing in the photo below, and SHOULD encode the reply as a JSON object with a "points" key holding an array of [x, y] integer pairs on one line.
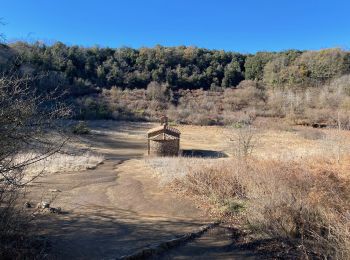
{"points": [[117, 208], [122, 206]]}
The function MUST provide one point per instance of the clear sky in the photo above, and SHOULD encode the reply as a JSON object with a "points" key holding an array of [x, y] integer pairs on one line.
{"points": [[237, 25]]}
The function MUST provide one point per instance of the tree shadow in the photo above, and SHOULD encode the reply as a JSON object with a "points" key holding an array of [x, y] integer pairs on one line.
{"points": [[106, 235], [203, 153]]}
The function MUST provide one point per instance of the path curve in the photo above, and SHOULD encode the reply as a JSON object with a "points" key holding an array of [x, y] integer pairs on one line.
{"points": [[117, 208]]}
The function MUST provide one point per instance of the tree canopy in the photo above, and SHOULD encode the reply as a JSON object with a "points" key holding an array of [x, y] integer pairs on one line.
{"points": [[82, 70]]}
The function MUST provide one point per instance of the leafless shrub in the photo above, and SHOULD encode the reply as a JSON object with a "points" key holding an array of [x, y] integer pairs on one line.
{"points": [[310, 106], [305, 203], [276, 104], [244, 117], [158, 92], [342, 84], [25, 119], [244, 140], [291, 201], [248, 93], [115, 92]]}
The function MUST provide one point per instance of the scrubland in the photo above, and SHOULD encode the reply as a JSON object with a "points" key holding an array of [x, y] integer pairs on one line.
{"points": [[290, 195], [325, 106], [284, 187]]}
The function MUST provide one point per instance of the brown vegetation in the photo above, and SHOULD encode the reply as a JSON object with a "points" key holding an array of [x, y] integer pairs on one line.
{"points": [[292, 202], [25, 121], [304, 203], [325, 106]]}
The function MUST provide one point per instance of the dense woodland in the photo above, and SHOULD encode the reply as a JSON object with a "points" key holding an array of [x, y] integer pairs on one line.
{"points": [[142, 83], [179, 67]]}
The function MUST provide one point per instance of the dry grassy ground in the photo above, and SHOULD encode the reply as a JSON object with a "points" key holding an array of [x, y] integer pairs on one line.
{"points": [[292, 188], [129, 201]]}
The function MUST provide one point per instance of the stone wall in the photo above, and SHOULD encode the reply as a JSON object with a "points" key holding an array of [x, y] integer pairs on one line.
{"points": [[165, 147]]}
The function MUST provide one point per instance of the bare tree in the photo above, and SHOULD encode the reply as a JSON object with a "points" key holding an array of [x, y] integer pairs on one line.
{"points": [[27, 124], [244, 141]]}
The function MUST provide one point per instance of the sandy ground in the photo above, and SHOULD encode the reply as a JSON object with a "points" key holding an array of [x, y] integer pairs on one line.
{"points": [[117, 208], [120, 207]]}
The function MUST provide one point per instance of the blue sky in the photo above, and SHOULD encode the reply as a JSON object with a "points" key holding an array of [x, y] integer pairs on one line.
{"points": [[244, 26]]}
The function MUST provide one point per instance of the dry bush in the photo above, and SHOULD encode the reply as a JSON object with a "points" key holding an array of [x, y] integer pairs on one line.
{"points": [[137, 104], [156, 106], [178, 115], [308, 106], [115, 92], [305, 203], [80, 128], [243, 117], [25, 121], [312, 106], [342, 83], [244, 140], [197, 107], [248, 93], [276, 104], [203, 118], [158, 92]]}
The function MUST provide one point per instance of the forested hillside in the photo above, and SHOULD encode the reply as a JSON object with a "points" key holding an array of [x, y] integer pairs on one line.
{"points": [[183, 67], [179, 67], [306, 87]]}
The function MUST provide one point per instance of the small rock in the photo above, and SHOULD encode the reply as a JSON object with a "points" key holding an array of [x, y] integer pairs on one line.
{"points": [[27, 205], [55, 210], [43, 205], [54, 190], [91, 167]]}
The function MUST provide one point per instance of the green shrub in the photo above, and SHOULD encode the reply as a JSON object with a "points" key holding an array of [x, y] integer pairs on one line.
{"points": [[81, 128]]}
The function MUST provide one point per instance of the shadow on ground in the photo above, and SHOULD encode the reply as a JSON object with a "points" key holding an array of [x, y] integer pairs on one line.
{"points": [[102, 235], [216, 243], [203, 153]]}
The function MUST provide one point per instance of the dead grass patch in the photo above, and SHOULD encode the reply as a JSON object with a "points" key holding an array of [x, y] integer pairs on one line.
{"points": [[167, 169], [304, 202], [60, 162]]}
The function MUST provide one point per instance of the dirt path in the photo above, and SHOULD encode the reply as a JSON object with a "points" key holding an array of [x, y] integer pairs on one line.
{"points": [[217, 243], [115, 209]]}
